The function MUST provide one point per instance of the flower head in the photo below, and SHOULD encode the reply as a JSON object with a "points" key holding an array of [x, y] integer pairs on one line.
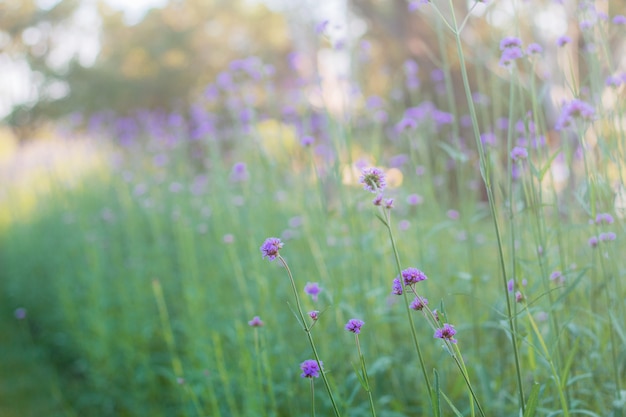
{"points": [[534, 49], [446, 332], [354, 326], [310, 368], [256, 322], [396, 287], [270, 248], [313, 289], [418, 303], [563, 40], [314, 315], [603, 237], [373, 179], [604, 218], [519, 153], [413, 276], [593, 241]]}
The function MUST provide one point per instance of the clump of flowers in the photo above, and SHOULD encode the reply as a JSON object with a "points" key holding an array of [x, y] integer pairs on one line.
{"points": [[446, 332], [418, 303], [270, 248], [511, 48], [412, 276], [256, 322], [310, 369], [519, 153], [572, 110], [354, 326]]}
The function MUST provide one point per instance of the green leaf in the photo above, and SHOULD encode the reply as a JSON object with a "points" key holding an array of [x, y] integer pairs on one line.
{"points": [[533, 400]]}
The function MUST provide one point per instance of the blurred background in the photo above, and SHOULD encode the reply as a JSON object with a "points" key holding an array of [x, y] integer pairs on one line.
{"points": [[148, 147]]}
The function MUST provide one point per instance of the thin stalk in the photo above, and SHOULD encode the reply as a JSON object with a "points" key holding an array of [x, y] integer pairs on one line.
{"points": [[365, 377], [484, 168], [307, 330]]}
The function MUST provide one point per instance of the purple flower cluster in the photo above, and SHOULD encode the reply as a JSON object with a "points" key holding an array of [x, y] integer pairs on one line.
{"points": [[572, 110], [413, 276], [256, 322], [446, 332], [418, 303], [313, 289], [511, 48], [310, 368], [519, 153], [270, 248], [354, 326], [373, 179]]}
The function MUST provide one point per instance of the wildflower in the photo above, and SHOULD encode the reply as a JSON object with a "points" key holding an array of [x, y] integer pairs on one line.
{"points": [[509, 56], [418, 303], [619, 19], [518, 153], [239, 172], [563, 40], [270, 248], [404, 224], [354, 326], [373, 179], [534, 49], [20, 313], [453, 214], [510, 42], [510, 285], [396, 287], [389, 203], [307, 141], [378, 200], [414, 199], [446, 332], [593, 241], [604, 237], [413, 276], [256, 322], [519, 297], [313, 289], [314, 314], [310, 368], [604, 218], [572, 110], [557, 276], [321, 27]]}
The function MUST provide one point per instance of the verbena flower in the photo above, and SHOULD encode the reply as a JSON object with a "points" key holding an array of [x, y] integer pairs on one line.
{"points": [[418, 303], [557, 276], [563, 40], [396, 287], [510, 285], [510, 42], [314, 314], [519, 153], [354, 326], [389, 203], [604, 237], [313, 289], [256, 322], [619, 19], [604, 218], [534, 49], [446, 332], [378, 201], [519, 297], [574, 109], [413, 276], [593, 241], [373, 180], [509, 56], [414, 199], [310, 369], [270, 248]]}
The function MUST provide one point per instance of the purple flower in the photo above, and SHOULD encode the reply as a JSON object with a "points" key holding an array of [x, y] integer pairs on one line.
{"points": [[373, 179], [314, 314], [270, 248], [414, 199], [563, 40], [453, 214], [604, 237], [418, 303], [572, 110], [20, 313], [534, 49], [519, 297], [354, 326], [619, 19], [413, 276], [446, 332], [518, 153], [510, 285], [313, 289], [510, 42], [307, 141], [389, 203], [256, 322], [604, 218], [321, 27], [396, 287], [310, 368], [509, 55], [239, 172], [557, 276], [378, 201], [593, 241]]}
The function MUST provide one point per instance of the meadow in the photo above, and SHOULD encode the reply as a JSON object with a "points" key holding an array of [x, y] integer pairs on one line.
{"points": [[133, 256]]}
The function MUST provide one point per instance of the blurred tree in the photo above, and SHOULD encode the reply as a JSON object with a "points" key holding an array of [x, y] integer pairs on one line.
{"points": [[160, 62]]}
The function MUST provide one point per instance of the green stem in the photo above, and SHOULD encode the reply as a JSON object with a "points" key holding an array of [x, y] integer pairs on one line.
{"points": [[365, 377], [307, 330]]}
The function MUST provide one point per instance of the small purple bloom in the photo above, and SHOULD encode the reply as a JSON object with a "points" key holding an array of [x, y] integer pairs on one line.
{"points": [[314, 314], [373, 179], [510, 285], [396, 287], [534, 49], [604, 218], [310, 368], [619, 19], [307, 141], [453, 214], [418, 303], [593, 241], [510, 42], [313, 289], [413, 276], [239, 172], [270, 248], [557, 276], [509, 55], [354, 326], [321, 27], [389, 203], [604, 237], [378, 201], [563, 40], [414, 199], [519, 297], [446, 332], [20, 313], [256, 322], [519, 153]]}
